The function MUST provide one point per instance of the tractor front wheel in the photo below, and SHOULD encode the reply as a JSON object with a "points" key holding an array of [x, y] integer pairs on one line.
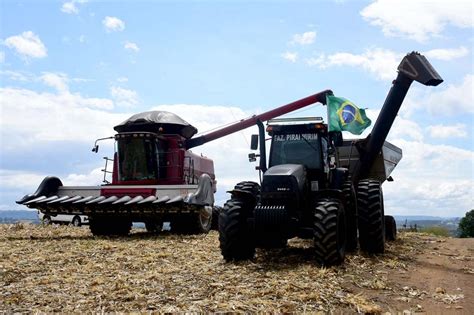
{"points": [[371, 216], [329, 232], [235, 237]]}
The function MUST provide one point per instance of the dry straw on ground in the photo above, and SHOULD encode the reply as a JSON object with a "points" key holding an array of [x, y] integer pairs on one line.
{"points": [[66, 269]]}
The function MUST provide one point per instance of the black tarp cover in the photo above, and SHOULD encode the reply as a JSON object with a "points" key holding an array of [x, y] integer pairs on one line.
{"points": [[151, 121]]}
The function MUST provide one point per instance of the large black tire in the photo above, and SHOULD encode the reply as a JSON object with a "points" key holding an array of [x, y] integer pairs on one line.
{"points": [[350, 207], [109, 226], [371, 216], [196, 223], [390, 228], [235, 236], [329, 232]]}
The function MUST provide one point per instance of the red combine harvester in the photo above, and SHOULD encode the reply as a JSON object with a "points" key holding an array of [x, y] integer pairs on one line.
{"points": [[155, 177]]}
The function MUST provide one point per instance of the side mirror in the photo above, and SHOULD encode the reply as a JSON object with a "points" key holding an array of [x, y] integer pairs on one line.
{"points": [[252, 157], [254, 142], [95, 149]]}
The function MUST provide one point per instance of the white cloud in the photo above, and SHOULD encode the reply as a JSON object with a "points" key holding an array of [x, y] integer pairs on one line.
{"points": [[122, 79], [124, 97], [305, 38], [60, 116], [447, 54], [290, 56], [70, 8], [113, 24], [131, 46], [454, 99], [431, 179], [418, 20], [17, 75], [380, 62], [445, 131], [57, 81], [27, 44]]}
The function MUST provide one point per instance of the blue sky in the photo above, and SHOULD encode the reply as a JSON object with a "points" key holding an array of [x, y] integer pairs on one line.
{"points": [[71, 70]]}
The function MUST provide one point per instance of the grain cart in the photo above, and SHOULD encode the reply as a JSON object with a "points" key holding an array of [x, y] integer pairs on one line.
{"points": [[318, 185], [156, 178]]}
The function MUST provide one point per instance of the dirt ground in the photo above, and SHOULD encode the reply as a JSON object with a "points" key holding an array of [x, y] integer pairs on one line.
{"points": [[66, 269]]}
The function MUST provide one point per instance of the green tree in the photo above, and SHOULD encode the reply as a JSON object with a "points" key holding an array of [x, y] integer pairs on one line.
{"points": [[466, 225]]}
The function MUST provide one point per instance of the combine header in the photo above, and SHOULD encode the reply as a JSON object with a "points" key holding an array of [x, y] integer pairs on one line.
{"points": [[155, 177], [319, 186]]}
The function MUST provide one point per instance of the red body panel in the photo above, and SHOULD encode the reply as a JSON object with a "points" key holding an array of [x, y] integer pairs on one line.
{"points": [[131, 192]]}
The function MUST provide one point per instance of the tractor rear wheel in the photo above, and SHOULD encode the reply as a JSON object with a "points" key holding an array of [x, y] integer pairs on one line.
{"points": [[235, 237], [390, 228], [371, 216], [329, 232], [350, 207]]}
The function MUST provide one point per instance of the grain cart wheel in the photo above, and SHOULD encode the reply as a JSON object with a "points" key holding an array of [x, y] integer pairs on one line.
{"points": [[371, 216], [235, 237], [76, 221], [329, 232], [390, 228], [350, 207]]}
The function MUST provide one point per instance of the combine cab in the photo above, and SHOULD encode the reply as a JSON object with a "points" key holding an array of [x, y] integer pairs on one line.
{"points": [[318, 186]]}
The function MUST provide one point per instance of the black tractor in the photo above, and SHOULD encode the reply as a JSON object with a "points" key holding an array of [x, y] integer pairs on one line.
{"points": [[319, 186]]}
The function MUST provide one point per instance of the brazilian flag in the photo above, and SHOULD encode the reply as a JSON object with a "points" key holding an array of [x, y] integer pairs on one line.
{"points": [[343, 115]]}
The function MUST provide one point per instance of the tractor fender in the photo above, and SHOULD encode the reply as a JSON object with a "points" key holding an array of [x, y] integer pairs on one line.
{"points": [[48, 187], [204, 195]]}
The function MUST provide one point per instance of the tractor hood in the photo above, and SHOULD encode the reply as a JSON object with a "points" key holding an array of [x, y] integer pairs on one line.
{"points": [[152, 121], [278, 173]]}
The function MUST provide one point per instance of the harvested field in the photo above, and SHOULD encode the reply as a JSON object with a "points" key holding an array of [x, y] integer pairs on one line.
{"points": [[66, 269]]}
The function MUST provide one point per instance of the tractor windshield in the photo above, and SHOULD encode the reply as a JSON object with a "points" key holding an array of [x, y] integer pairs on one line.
{"points": [[140, 159], [296, 148]]}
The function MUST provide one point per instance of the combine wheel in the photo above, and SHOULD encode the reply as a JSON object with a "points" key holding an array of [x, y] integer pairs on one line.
{"points": [[329, 232], [371, 216], [390, 228], [350, 207], [202, 221], [46, 220], [76, 221]]}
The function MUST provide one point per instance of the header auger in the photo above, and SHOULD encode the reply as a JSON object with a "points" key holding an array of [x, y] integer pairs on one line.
{"points": [[319, 186]]}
